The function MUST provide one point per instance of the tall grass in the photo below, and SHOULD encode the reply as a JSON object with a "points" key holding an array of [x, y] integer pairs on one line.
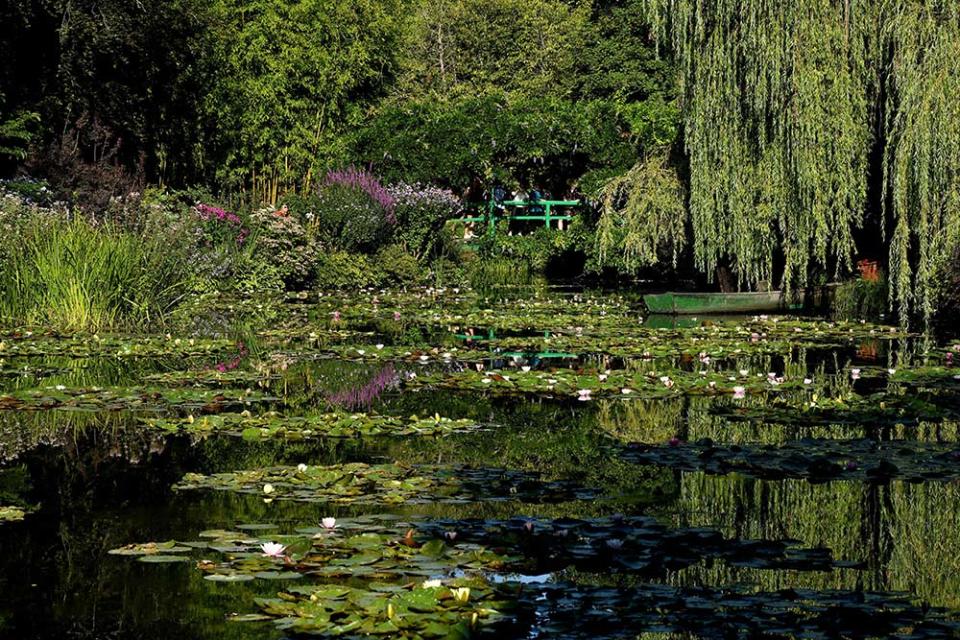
{"points": [[74, 276]]}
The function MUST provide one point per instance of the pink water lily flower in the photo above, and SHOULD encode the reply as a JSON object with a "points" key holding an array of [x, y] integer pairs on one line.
{"points": [[396, 316], [329, 523], [336, 316], [584, 395], [667, 382], [739, 392], [272, 549], [855, 374]]}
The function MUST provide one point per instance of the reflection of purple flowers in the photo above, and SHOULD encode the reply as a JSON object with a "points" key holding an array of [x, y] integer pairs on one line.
{"points": [[354, 178], [364, 395], [208, 212], [230, 365]]}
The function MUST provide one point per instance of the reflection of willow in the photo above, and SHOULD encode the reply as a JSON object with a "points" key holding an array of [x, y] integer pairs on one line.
{"points": [[902, 533], [647, 421]]}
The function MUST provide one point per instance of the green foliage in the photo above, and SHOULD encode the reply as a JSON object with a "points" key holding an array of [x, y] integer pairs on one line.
{"points": [[397, 266], [16, 132], [497, 136], [282, 242], [421, 213], [781, 104], [74, 276], [860, 299], [344, 218], [469, 47], [342, 270], [644, 217], [290, 77]]}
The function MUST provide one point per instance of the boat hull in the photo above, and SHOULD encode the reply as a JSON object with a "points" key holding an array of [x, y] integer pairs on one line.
{"points": [[707, 303]]}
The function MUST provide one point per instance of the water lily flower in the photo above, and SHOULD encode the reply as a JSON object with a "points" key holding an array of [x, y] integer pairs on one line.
{"points": [[486, 381], [528, 525], [379, 346], [432, 584], [450, 535], [336, 316], [301, 467], [602, 377], [855, 374], [396, 316], [739, 392], [615, 543], [807, 381], [479, 366], [625, 391], [461, 594], [329, 523], [584, 395], [268, 488], [525, 368], [667, 382], [754, 337], [712, 384], [891, 371], [272, 549], [674, 441], [744, 372]]}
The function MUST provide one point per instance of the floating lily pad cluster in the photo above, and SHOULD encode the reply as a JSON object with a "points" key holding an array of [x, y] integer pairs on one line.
{"points": [[130, 398], [817, 460], [359, 483], [619, 382], [325, 425], [86, 346]]}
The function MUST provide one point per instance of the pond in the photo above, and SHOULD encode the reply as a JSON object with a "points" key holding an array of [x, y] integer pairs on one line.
{"points": [[524, 463]]}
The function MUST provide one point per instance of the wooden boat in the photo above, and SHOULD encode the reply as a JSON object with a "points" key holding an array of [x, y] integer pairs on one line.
{"points": [[674, 303]]}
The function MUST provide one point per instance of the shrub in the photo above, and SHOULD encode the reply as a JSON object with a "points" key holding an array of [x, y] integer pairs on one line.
{"points": [[75, 276], [342, 270], [396, 266], [350, 211], [282, 242], [421, 212]]}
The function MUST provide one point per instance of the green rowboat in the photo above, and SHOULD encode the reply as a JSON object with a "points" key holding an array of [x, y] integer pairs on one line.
{"points": [[703, 303]]}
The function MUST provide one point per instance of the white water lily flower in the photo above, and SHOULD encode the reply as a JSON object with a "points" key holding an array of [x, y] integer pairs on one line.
{"points": [[329, 523], [268, 488], [60, 387], [272, 549], [744, 372], [525, 368], [424, 358], [584, 394], [486, 381], [855, 374], [891, 371], [739, 392], [615, 543], [602, 377], [461, 594], [432, 584], [379, 346], [807, 381], [361, 351], [301, 467], [667, 382], [626, 391]]}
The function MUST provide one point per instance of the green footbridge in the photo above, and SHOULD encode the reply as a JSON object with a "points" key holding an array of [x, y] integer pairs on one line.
{"points": [[541, 210]]}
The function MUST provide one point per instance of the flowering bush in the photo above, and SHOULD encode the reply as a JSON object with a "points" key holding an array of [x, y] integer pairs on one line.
{"points": [[283, 242], [421, 212], [350, 210], [229, 223]]}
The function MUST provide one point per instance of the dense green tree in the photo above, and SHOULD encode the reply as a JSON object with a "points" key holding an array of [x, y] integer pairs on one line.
{"points": [[469, 47], [292, 76]]}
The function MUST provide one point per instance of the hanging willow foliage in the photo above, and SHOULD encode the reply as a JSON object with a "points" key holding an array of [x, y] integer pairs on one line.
{"points": [[782, 106], [643, 216]]}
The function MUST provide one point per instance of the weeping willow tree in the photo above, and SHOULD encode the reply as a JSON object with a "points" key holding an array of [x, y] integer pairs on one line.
{"points": [[786, 105]]}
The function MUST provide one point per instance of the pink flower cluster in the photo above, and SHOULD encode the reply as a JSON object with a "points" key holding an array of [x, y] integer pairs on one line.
{"points": [[359, 179], [208, 212], [232, 364]]}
